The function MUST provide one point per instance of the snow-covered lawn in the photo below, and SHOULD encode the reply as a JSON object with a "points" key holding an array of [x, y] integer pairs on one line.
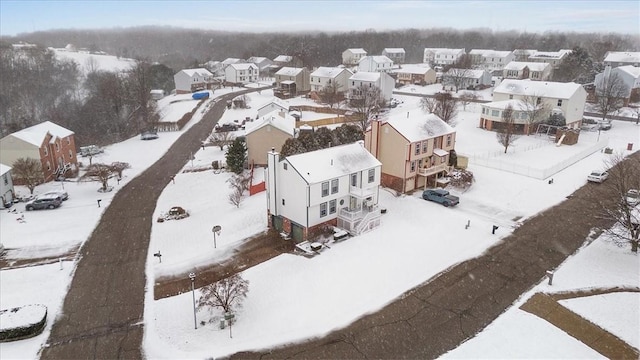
{"points": [[416, 240]]}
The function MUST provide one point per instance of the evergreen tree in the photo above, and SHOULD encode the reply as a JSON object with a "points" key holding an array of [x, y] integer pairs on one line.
{"points": [[236, 155], [576, 66]]}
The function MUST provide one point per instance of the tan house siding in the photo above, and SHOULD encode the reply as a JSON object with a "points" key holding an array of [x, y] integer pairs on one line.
{"points": [[260, 142]]}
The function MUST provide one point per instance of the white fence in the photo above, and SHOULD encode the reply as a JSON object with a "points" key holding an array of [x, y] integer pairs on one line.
{"points": [[538, 173]]}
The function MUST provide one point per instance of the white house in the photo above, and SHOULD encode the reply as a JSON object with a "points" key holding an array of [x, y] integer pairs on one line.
{"points": [[362, 80], [263, 63], [470, 79], [324, 76], [442, 56], [190, 80], [490, 59], [554, 58], [6, 186], [241, 73], [630, 77], [527, 70], [375, 63], [353, 56], [272, 105], [397, 55], [566, 98], [622, 58], [338, 186], [229, 61]]}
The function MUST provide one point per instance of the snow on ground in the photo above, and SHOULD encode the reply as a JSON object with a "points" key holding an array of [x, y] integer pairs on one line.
{"points": [[380, 264], [87, 61]]}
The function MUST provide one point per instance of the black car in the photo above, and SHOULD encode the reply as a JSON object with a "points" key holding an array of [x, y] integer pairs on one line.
{"points": [[43, 202]]}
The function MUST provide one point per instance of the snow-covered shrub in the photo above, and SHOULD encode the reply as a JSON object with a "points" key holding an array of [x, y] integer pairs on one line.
{"points": [[461, 179], [22, 322]]}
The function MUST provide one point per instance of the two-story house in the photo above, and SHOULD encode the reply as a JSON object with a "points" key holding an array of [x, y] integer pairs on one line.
{"points": [[191, 80], [527, 70], [553, 58], [291, 82], [527, 97], [622, 58], [268, 132], [397, 55], [334, 76], [368, 80], [415, 74], [629, 87], [351, 57], [469, 79], [7, 193], [229, 61], [263, 63], [51, 144], [375, 63], [413, 148], [442, 56], [241, 73], [490, 60], [337, 186]]}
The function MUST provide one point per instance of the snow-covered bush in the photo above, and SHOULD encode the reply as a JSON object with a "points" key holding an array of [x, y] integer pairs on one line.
{"points": [[22, 322]]}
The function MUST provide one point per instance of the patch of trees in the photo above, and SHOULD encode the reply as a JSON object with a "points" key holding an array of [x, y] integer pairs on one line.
{"points": [[321, 138], [28, 171], [442, 104]]}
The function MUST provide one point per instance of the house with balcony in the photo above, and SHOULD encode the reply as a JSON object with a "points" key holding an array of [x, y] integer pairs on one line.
{"points": [[51, 144], [629, 75], [291, 82], [268, 132], [414, 149], [415, 74], [241, 73], [397, 55], [622, 58], [326, 76], [363, 81], [442, 56], [527, 70], [490, 60], [352, 57], [7, 193], [375, 63], [528, 98], [337, 186], [192, 80]]}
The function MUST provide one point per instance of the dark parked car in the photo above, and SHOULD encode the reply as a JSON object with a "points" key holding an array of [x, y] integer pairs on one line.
{"points": [[440, 196], [43, 202]]}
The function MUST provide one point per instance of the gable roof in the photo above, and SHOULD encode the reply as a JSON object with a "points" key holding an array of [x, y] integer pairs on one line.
{"points": [[413, 69], [324, 164], [549, 54], [394, 50], [380, 59], [276, 101], [546, 89], [257, 59], [468, 73], [357, 51], [283, 58], [286, 123], [444, 51], [418, 126], [634, 71], [229, 61], [328, 72], [623, 56], [490, 53], [35, 134], [366, 76], [519, 65], [289, 71], [198, 71], [4, 169], [243, 66]]}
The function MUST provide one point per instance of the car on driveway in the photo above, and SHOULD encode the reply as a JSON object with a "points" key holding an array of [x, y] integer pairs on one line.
{"points": [[63, 195], [43, 202], [149, 135], [597, 176], [440, 196], [633, 197]]}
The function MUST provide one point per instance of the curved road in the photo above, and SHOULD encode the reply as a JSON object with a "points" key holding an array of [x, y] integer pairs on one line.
{"points": [[102, 315]]}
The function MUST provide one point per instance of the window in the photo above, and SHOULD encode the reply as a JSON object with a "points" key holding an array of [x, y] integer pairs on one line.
{"points": [[510, 96], [68, 141], [559, 102], [70, 154], [417, 148], [46, 151], [495, 113], [282, 202], [483, 110], [538, 101], [323, 209], [6, 179], [424, 147], [48, 166], [332, 207], [334, 186], [285, 166], [372, 175], [325, 188], [413, 166], [448, 140], [354, 179]]}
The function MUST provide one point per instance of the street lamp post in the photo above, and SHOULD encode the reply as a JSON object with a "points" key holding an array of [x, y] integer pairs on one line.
{"points": [[192, 276], [216, 231]]}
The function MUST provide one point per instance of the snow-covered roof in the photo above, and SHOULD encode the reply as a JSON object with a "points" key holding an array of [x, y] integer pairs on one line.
{"points": [[380, 59], [357, 51], [440, 152], [549, 89], [516, 104], [468, 73], [257, 59], [287, 82], [199, 71], [4, 169], [328, 72], [289, 71], [622, 56], [243, 66], [283, 58], [549, 54], [229, 61], [418, 126], [35, 134], [286, 123], [321, 165], [366, 76], [275, 101], [524, 51], [394, 50], [444, 51], [519, 65], [634, 71], [490, 53], [413, 69]]}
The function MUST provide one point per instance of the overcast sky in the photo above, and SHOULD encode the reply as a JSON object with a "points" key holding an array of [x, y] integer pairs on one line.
{"points": [[622, 16]]}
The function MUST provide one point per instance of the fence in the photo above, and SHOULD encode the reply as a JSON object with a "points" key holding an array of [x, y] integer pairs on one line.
{"points": [[537, 173]]}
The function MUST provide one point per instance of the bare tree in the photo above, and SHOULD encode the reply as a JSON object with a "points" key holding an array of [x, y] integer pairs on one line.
{"points": [[610, 93], [535, 109], [28, 171], [456, 77], [331, 94], [227, 294], [91, 65], [428, 104], [118, 167], [221, 139], [506, 129], [99, 173], [235, 197], [442, 104], [467, 98], [624, 175], [366, 101]]}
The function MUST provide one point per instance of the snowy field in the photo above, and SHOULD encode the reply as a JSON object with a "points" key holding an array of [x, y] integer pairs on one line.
{"points": [[381, 264]]}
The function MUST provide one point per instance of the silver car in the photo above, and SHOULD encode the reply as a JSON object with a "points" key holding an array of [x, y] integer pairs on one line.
{"points": [[43, 202]]}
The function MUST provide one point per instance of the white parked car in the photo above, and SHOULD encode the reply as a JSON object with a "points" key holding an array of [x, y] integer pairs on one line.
{"points": [[633, 197], [63, 195], [598, 176]]}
